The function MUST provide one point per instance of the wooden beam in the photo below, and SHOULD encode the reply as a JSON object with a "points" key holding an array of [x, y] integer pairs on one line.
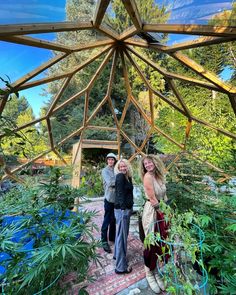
{"points": [[158, 130], [3, 101], [132, 10], [63, 75], [108, 32], [100, 68], [112, 73], [50, 133], [38, 70], [71, 135], [58, 95], [203, 41], [86, 104], [130, 32], [226, 133], [128, 89], [25, 125], [77, 163], [96, 110], [140, 109], [178, 95], [101, 128], [131, 142], [100, 11], [72, 98], [175, 76], [187, 131], [191, 29], [203, 72], [232, 98], [30, 41], [59, 156], [36, 28], [91, 45], [30, 161]]}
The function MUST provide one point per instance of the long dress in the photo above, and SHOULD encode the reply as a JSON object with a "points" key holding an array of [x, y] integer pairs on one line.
{"points": [[153, 221]]}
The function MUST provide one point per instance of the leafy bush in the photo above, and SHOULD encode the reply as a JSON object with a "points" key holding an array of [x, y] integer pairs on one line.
{"points": [[41, 240]]}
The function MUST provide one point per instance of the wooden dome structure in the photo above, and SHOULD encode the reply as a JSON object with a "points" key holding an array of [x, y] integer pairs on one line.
{"points": [[114, 46]]}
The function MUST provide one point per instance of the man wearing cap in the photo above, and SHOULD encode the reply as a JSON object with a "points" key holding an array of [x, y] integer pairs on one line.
{"points": [[109, 222]]}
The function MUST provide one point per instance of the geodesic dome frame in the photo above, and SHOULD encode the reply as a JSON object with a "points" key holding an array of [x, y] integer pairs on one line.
{"points": [[119, 45]]}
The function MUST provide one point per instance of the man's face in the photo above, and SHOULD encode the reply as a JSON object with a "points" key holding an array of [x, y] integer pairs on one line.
{"points": [[110, 162]]}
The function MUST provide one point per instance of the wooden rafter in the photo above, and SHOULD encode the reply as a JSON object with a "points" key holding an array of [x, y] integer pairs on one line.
{"points": [[71, 135], [20, 167], [187, 131], [72, 98], [49, 127], [96, 109], [25, 126], [106, 128], [100, 68], [132, 10], [232, 99], [59, 156], [176, 76], [112, 73], [190, 29], [36, 28], [66, 74], [91, 45], [178, 95], [203, 72], [30, 41], [203, 41], [3, 101], [86, 107], [158, 130], [108, 32], [131, 142], [128, 33], [58, 95], [159, 94], [226, 133], [128, 89], [38, 70], [100, 11]]}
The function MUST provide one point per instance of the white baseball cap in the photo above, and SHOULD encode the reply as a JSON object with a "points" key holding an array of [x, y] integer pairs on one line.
{"points": [[111, 155]]}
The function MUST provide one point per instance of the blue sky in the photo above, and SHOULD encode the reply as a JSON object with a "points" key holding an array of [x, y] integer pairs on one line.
{"points": [[17, 60]]}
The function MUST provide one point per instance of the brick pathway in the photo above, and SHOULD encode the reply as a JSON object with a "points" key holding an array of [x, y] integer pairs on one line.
{"points": [[107, 282]]}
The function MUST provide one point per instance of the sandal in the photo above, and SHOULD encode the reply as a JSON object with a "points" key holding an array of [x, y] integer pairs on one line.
{"points": [[128, 270]]}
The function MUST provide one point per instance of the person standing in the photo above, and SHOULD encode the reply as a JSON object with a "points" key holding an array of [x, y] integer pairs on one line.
{"points": [[152, 173], [108, 230], [123, 210]]}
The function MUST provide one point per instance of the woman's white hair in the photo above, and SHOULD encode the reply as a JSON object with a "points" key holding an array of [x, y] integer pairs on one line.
{"points": [[127, 163]]}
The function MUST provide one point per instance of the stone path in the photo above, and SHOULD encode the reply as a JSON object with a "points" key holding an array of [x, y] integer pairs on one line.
{"points": [[106, 281]]}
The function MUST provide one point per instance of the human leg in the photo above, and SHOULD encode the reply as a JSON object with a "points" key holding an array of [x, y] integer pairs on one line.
{"points": [[105, 225], [122, 219], [112, 226]]}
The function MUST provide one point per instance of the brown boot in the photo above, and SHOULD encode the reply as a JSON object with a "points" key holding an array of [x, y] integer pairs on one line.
{"points": [[152, 281]]}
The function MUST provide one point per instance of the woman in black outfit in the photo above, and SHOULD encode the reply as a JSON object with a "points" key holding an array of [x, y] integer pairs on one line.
{"points": [[123, 210]]}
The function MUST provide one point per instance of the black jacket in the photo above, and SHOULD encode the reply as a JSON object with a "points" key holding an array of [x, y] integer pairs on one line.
{"points": [[123, 192]]}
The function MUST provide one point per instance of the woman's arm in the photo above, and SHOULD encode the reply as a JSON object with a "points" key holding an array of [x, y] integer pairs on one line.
{"points": [[149, 189]]}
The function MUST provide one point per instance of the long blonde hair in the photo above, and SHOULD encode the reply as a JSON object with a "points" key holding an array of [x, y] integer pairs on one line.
{"points": [[159, 166], [127, 163]]}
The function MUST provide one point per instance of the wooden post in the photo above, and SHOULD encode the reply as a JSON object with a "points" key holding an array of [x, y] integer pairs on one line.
{"points": [[76, 160]]}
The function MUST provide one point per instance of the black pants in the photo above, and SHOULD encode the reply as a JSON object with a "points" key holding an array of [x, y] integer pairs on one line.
{"points": [[109, 222]]}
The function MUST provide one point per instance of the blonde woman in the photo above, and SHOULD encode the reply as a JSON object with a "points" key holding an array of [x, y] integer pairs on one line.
{"points": [[123, 210], [152, 173]]}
